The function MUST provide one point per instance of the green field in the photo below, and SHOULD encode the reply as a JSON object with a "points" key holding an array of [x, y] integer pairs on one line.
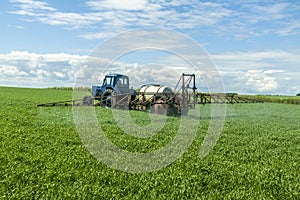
{"points": [[256, 157]]}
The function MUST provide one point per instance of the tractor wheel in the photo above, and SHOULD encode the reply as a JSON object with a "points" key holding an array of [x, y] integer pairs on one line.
{"points": [[108, 98], [159, 107], [173, 110]]}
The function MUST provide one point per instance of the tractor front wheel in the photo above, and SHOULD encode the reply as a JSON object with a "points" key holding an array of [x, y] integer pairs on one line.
{"points": [[108, 98]]}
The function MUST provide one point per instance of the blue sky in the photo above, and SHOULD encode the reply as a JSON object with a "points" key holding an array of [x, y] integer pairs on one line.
{"points": [[255, 44]]}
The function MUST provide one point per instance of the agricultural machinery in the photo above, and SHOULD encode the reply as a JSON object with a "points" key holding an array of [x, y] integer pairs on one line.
{"points": [[114, 86], [115, 92]]}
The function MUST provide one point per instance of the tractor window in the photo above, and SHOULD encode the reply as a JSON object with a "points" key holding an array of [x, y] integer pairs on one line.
{"points": [[122, 81], [108, 81], [123, 84]]}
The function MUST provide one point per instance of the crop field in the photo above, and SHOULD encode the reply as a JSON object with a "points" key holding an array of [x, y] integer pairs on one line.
{"points": [[42, 157]]}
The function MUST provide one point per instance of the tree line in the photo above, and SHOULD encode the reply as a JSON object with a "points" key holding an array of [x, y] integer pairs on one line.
{"points": [[71, 88], [279, 99]]}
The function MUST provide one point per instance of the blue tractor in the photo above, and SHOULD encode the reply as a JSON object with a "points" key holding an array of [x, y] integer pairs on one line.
{"points": [[114, 87]]}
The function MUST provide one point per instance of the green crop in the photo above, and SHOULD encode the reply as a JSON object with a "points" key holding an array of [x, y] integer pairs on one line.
{"points": [[42, 157]]}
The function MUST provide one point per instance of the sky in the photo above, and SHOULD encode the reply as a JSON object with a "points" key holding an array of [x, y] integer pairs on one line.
{"points": [[254, 44]]}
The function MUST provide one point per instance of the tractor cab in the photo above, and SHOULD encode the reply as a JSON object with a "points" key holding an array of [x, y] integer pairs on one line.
{"points": [[117, 83]]}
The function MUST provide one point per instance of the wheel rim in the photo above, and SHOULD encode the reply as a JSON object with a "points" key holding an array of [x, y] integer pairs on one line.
{"points": [[108, 102]]}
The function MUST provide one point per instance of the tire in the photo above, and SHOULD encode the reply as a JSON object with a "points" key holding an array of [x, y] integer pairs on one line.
{"points": [[108, 98], [159, 107], [172, 110]]}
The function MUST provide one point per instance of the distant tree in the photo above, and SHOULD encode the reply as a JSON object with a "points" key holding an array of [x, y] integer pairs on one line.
{"points": [[298, 94]]}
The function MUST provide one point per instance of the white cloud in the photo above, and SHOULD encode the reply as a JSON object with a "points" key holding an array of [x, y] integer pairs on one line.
{"points": [[272, 72], [10, 71], [99, 35], [39, 70], [258, 81], [41, 11], [271, 12], [32, 5], [117, 4], [291, 27], [46, 70], [59, 74], [239, 19], [16, 26], [257, 60], [74, 20]]}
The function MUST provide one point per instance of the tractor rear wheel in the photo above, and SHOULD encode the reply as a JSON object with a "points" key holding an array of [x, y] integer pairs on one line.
{"points": [[108, 98]]}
